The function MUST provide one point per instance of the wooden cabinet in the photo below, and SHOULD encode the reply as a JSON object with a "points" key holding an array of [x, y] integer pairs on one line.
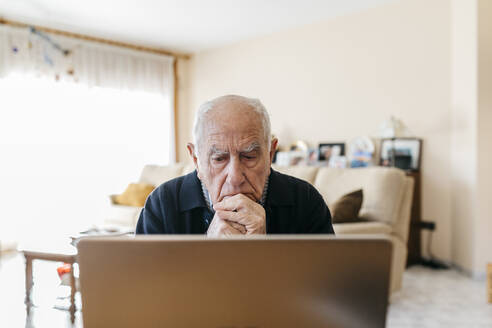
{"points": [[414, 242]]}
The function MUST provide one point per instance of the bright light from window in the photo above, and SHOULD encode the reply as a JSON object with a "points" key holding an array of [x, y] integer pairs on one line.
{"points": [[65, 148]]}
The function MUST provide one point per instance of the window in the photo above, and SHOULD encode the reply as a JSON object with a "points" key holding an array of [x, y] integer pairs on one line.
{"points": [[65, 148]]}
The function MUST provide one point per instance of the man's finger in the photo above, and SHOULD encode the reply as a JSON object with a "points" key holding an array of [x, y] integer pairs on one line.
{"points": [[234, 203], [220, 227], [238, 227], [231, 216]]}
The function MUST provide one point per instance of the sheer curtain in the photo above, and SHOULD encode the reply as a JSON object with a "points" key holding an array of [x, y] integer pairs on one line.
{"points": [[92, 64], [75, 129]]}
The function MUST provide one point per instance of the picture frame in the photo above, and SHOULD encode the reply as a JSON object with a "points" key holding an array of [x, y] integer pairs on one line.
{"points": [[403, 153], [325, 150]]}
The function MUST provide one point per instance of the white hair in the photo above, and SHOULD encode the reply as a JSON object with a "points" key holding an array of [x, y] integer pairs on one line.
{"points": [[254, 104]]}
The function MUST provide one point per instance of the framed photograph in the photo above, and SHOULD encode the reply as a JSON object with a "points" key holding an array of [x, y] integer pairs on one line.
{"points": [[326, 150], [403, 153], [360, 151]]}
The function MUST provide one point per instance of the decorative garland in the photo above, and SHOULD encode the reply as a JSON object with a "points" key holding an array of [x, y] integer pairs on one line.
{"points": [[55, 58]]}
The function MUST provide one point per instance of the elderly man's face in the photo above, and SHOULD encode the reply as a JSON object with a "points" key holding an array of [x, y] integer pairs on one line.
{"points": [[234, 157]]}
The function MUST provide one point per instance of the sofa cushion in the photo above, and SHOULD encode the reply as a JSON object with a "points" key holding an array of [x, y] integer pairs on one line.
{"points": [[347, 207], [362, 228], [306, 173], [156, 175], [383, 189], [135, 194]]}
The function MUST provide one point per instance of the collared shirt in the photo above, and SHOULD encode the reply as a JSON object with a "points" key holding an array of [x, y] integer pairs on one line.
{"points": [[179, 207]]}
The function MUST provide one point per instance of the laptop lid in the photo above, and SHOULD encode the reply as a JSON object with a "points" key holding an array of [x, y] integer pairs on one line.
{"points": [[263, 281]]}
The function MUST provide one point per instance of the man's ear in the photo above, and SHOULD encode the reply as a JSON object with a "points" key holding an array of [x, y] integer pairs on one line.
{"points": [[191, 151], [273, 148]]}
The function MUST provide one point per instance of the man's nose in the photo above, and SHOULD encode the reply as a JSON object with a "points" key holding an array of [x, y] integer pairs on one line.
{"points": [[235, 174]]}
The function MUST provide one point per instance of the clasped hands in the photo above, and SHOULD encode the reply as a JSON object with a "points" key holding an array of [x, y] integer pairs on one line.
{"points": [[237, 215]]}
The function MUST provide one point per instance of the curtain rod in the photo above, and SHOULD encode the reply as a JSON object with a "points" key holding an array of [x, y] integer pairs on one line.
{"points": [[4, 21]]}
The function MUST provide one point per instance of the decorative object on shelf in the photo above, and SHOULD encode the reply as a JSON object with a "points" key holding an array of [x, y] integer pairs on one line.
{"points": [[332, 154], [297, 153], [288, 158], [312, 158], [360, 151], [339, 162], [403, 153], [393, 128], [326, 150], [299, 145]]}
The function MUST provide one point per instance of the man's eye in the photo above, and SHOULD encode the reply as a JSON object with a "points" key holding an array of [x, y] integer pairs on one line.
{"points": [[218, 159], [248, 157]]}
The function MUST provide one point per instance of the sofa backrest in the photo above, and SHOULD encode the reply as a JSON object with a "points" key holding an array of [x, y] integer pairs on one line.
{"points": [[306, 173], [383, 188], [387, 191], [157, 174]]}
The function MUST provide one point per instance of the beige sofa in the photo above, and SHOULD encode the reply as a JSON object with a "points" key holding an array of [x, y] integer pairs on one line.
{"points": [[386, 205]]}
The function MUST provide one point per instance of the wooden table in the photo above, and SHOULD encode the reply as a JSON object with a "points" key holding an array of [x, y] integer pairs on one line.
{"points": [[66, 254]]}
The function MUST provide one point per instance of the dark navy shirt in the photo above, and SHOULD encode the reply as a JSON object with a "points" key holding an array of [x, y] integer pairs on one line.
{"points": [[178, 207]]}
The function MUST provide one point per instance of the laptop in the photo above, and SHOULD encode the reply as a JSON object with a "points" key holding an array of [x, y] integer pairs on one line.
{"points": [[255, 282]]}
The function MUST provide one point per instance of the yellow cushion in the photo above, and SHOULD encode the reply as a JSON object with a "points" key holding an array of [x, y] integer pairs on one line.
{"points": [[135, 194]]}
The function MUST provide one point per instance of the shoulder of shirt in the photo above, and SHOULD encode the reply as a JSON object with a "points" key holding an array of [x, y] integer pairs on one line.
{"points": [[184, 192], [290, 180], [288, 190]]}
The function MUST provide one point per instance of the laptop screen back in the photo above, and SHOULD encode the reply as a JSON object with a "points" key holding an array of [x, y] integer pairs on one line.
{"points": [[282, 281]]}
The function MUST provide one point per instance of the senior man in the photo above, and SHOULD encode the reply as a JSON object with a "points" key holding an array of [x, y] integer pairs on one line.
{"points": [[233, 190]]}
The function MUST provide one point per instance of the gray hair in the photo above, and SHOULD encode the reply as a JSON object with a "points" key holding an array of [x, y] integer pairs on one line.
{"points": [[255, 104]]}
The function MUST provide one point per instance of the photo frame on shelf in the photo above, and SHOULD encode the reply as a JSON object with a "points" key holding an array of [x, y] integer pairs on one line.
{"points": [[403, 153], [326, 150]]}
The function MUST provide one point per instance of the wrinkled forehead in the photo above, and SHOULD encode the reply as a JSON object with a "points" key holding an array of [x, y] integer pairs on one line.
{"points": [[236, 126]]}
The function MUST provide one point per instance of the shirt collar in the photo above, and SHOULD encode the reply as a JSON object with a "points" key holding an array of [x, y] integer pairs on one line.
{"points": [[190, 195]]}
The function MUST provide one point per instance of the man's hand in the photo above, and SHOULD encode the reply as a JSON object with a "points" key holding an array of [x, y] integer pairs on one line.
{"points": [[241, 214], [221, 227]]}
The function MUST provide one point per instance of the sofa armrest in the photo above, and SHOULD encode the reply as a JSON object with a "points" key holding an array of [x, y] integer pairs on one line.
{"points": [[401, 226], [122, 215], [362, 228]]}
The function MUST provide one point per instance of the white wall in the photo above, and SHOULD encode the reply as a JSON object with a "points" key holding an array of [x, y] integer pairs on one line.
{"points": [[472, 134], [342, 78], [464, 127]]}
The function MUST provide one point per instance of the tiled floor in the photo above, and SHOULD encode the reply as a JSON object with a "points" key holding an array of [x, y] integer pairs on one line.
{"points": [[428, 299], [445, 298]]}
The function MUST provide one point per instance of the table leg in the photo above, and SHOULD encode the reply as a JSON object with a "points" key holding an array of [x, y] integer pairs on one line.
{"points": [[73, 290], [27, 301]]}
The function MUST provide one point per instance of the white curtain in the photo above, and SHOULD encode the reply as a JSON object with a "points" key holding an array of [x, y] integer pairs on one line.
{"points": [[89, 63], [94, 64], [81, 131]]}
